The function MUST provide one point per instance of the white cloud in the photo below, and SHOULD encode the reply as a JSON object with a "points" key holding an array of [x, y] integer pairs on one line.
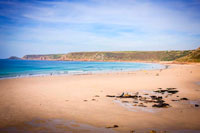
{"points": [[100, 25], [147, 15]]}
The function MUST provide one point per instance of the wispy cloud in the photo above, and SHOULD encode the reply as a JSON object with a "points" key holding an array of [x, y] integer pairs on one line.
{"points": [[99, 25]]}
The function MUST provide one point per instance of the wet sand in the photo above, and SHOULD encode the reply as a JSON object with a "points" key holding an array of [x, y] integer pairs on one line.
{"points": [[82, 99]]}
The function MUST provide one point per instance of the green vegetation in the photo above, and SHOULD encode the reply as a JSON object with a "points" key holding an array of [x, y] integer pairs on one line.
{"points": [[128, 55], [55, 56], [181, 56], [39, 57], [194, 56]]}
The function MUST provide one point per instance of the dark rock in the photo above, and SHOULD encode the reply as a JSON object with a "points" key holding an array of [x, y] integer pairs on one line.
{"points": [[174, 100], [127, 96], [142, 105], [184, 98], [142, 98], [161, 105], [153, 97], [168, 90], [160, 97], [110, 96], [196, 105], [156, 97], [160, 91], [171, 88], [122, 95], [172, 91], [159, 101], [114, 126]]}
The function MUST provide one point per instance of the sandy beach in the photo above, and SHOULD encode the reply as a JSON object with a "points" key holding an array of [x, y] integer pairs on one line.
{"points": [[82, 99]]}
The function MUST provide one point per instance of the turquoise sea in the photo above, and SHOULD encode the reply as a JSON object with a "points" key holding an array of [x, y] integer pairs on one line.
{"points": [[23, 68]]}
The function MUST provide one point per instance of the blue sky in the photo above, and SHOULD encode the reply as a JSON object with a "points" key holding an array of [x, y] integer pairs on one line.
{"points": [[62, 26]]}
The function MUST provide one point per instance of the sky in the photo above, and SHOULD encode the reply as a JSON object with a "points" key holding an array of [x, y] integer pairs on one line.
{"points": [[62, 26]]}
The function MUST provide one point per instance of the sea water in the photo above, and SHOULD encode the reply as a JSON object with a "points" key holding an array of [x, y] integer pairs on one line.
{"points": [[22, 68]]}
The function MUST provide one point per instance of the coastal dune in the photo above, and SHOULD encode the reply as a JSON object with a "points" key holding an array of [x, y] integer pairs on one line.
{"points": [[82, 98]]}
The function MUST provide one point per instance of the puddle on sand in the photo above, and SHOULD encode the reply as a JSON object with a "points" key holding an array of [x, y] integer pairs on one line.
{"points": [[198, 83], [152, 101], [193, 102], [130, 107], [149, 130], [184, 131], [53, 125]]}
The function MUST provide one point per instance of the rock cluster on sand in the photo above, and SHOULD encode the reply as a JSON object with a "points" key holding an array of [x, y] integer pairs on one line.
{"points": [[157, 99]]}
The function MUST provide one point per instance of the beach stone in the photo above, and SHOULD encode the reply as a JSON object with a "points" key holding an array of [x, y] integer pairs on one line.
{"points": [[196, 105], [114, 126], [184, 98], [153, 97], [174, 100], [172, 91], [161, 105], [168, 90], [171, 88], [110, 96], [122, 95]]}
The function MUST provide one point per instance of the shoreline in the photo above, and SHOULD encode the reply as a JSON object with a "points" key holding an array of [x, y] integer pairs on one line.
{"points": [[63, 97], [164, 63], [66, 73]]}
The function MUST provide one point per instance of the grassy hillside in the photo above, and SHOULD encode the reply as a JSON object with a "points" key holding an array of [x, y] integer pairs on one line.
{"points": [[127, 55], [181, 56], [194, 56], [43, 57]]}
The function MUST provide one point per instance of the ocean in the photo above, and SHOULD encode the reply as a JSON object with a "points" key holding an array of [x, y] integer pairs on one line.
{"points": [[25, 68]]}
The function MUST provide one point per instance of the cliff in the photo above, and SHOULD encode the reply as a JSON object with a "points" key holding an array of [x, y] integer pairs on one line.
{"points": [[126, 56], [114, 56], [43, 57]]}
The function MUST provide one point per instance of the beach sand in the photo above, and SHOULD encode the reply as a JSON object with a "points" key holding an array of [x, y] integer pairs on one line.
{"points": [[82, 99]]}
